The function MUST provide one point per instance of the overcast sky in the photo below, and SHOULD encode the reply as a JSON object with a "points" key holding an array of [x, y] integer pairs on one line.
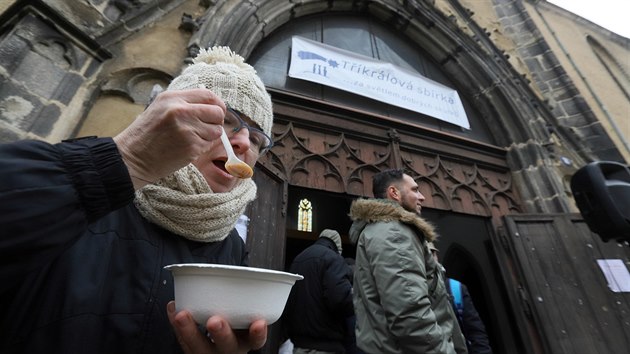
{"points": [[614, 15]]}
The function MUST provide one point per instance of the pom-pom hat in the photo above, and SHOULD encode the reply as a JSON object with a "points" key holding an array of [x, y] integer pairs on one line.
{"points": [[226, 74]]}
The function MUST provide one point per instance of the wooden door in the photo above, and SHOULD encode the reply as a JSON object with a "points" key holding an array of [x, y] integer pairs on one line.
{"points": [[560, 295], [266, 235], [267, 224]]}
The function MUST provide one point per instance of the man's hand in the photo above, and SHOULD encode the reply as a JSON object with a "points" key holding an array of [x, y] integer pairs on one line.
{"points": [[224, 339], [174, 130]]}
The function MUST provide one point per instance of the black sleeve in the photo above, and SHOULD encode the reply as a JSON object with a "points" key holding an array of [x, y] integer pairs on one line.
{"points": [[337, 287], [50, 193], [474, 329]]}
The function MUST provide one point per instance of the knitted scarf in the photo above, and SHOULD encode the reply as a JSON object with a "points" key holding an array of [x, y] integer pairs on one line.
{"points": [[184, 204]]}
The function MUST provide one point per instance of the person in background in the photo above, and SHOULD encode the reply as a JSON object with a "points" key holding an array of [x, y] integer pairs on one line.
{"points": [[468, 318], [351, 338], [400, 299], [88, 224], [318, 306]]}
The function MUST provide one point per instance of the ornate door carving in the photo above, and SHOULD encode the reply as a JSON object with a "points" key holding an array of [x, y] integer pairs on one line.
{"points": [[336, 150]]}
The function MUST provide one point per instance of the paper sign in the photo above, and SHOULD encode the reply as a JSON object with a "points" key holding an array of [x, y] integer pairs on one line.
{"points": [[616, 274]]}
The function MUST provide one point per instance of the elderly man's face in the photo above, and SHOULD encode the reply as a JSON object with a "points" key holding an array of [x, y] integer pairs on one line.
{"points": [[212, 164]]}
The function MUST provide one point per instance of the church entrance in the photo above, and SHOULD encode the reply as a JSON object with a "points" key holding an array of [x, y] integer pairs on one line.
{"points": [[465, 251]]}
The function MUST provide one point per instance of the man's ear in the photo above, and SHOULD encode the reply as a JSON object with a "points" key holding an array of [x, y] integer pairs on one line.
{"points": [[393, 193]]}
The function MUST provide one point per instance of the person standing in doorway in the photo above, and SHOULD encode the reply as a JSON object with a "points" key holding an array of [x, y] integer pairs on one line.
{"points": [[400, 299], [467, 316], [318, 307]]}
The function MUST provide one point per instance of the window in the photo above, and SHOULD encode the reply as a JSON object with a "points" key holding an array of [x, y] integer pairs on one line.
{"points": [[366, 36], [305, 216]]}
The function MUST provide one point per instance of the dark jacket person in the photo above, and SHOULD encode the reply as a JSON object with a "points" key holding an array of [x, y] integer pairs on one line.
{"points": [[319, 305], [469, 320], [89, 224]]}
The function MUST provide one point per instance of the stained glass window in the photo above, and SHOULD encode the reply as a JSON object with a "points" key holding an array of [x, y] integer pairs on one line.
{"points": [[305, 216]]}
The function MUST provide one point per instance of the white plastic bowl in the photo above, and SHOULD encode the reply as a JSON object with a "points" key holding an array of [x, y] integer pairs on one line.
{"points": [[241, 295]]}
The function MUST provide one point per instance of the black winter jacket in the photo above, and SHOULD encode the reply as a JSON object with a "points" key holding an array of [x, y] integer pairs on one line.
{"points": [[318, 306], [470, 322], [81, 271]]}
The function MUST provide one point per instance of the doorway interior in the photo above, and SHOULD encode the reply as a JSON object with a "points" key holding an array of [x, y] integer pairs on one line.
{"points": [[465, 251], [329, 211]]}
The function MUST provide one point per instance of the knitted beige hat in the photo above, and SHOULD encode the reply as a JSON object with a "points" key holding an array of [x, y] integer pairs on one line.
{"points": [[226, 74], [334, 236]]}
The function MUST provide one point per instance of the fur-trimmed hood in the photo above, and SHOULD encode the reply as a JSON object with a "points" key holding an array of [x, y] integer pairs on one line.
{"points": [[368, 211]]}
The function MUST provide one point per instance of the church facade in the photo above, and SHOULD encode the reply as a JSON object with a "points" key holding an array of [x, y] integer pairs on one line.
{"points": [[544, 91]]}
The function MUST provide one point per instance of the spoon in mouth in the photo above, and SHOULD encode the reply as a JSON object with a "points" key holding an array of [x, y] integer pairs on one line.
{"points": [[234, 165]]}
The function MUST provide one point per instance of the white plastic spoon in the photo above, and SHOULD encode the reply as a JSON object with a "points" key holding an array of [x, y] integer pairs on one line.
{"points": [[234, 165]]}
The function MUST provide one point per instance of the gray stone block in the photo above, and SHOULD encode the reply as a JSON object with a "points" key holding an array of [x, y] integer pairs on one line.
{"points": [[7, 135], [68, 86], [18, 107], [46, 120], [39, 74], [12, 49]]}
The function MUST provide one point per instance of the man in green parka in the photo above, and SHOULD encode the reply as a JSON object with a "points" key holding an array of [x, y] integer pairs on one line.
{"points": [[400, 299]]}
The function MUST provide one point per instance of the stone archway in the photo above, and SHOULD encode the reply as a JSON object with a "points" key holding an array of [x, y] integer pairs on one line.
{"points": [[519, 121]]}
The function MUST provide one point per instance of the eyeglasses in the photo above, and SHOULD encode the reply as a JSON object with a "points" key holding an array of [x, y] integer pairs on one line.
{"points": [[259, 142]]}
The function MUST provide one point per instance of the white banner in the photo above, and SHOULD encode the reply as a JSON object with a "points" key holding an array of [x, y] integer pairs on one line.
{"points": [[365, 76]]}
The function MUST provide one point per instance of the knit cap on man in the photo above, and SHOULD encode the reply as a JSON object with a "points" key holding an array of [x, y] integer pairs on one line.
{"points": [[226, 74], [334, 236]]}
